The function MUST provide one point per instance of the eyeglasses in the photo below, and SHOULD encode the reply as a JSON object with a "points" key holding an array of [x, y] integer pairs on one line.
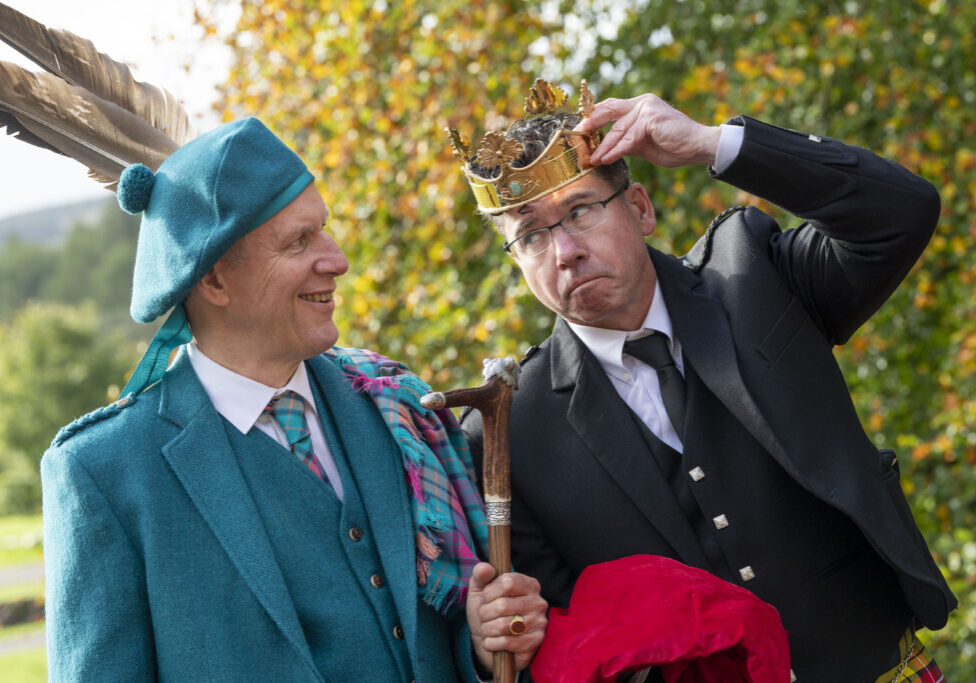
{"points": [[579, 220]]}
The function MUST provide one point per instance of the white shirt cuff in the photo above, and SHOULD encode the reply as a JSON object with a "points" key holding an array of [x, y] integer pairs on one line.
{"points": [[729, 143]]}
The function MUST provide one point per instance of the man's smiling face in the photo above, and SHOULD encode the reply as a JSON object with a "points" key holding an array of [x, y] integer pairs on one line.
{"points": [[280, 280]]}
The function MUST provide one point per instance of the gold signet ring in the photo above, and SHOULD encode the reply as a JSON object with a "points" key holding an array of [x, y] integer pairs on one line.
{"points": [[517, 625]]}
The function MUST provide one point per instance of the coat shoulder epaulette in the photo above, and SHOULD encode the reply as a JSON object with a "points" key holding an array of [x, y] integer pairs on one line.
{"points": [[94, 417], [698, 256], [531, 351]]}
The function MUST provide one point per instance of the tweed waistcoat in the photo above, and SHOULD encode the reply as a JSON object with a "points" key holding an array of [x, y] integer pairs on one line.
{"points": [[312, 538]]}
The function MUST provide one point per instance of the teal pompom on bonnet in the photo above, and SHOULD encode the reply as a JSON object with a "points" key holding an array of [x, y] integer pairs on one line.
{"points": [[203, 198]]}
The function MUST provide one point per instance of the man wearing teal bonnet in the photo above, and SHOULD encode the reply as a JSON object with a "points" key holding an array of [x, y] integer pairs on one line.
{"points": [[269, 507]]}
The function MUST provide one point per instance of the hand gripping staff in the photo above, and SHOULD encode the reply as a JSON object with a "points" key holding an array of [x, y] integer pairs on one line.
{"points": [[493, 400]]}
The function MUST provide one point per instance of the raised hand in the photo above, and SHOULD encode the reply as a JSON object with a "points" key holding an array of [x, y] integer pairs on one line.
{"points": [[649, 127]]}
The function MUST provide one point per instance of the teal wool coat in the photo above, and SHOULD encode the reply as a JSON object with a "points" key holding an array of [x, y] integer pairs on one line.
{"points": [[178, 549]]}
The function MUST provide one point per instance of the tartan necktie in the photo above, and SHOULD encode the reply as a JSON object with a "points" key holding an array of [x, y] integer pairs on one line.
{"points": [[289, 411], [653, 350]]}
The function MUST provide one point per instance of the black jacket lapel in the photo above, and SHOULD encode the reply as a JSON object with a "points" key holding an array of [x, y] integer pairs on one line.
{"points": [[701, 326], [606, 426]]}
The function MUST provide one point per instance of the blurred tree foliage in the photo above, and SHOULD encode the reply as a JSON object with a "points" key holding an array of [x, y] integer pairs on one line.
{"points": [[93, 263], [24, 270], [362, 90], [57, 363], [65, 341]]}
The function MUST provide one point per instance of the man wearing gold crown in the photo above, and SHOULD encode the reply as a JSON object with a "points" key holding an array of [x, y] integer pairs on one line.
{"points": [[691, 407]]}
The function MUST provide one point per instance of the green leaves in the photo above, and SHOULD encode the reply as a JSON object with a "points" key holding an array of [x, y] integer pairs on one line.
{"points": [[57, 364]]}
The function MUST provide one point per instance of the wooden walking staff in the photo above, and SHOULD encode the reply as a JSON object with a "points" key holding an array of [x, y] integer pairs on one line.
{"points": [[493, 400]]}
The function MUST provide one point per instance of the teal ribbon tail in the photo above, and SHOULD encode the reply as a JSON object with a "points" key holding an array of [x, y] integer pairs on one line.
{"points": [[174, 332]]}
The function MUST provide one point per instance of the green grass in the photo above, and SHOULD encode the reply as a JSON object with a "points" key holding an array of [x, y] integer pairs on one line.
{"points": [[21, 591], [20, 543], [24, 667], [19, 631], [20, 540], [11, 557], [19, 524]]}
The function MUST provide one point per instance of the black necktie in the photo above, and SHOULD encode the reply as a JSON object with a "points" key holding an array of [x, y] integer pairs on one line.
{"points": [[653, 350]]}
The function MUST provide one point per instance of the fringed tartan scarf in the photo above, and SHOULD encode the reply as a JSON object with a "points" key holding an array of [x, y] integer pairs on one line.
{"points": [[448, 514]]}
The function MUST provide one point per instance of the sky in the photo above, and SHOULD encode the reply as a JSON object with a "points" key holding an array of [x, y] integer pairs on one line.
{"points": [[156, 40]]}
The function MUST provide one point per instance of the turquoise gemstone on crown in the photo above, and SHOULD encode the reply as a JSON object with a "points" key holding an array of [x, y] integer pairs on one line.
{"points": [[516, 188]]}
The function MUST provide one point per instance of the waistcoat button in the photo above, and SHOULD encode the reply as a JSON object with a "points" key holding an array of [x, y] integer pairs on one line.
{"points": [[355, 533]]}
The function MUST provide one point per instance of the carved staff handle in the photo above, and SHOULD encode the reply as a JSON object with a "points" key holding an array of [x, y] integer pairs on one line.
{"points": [[494, 400]]}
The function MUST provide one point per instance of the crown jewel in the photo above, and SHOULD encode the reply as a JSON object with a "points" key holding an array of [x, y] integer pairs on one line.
{"points": [[565, 159]]}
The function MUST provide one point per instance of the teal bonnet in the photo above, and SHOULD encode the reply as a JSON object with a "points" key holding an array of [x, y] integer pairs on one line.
{"points": [[203, 198]]}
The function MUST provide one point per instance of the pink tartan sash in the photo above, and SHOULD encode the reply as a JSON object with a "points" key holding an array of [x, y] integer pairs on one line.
{"points": [[448, 514]]}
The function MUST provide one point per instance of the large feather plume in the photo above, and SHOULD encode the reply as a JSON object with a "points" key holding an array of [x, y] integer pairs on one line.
{"points": [[88, 106]]}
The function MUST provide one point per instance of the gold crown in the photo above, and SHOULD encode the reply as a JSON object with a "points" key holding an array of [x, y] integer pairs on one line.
{"points": [[566, 158]]}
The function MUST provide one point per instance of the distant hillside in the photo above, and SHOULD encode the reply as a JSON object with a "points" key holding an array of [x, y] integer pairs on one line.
{"points": [[49, 226]]}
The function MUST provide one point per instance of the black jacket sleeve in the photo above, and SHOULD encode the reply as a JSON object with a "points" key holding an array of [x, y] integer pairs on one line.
{"points": [[867, 220]]}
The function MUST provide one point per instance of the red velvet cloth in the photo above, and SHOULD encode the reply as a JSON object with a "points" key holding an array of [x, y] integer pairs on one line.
{"points": [[645, 610]]}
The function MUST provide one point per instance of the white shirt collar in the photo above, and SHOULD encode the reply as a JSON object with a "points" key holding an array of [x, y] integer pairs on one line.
{"points": [[239, 399], [608, 345]]}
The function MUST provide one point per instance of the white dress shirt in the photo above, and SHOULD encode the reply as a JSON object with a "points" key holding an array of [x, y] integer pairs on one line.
{"points": [[634, 380], [241, 402]]}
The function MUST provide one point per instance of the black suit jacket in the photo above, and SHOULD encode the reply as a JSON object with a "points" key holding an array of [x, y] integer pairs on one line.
{"points": [[757, 311]]}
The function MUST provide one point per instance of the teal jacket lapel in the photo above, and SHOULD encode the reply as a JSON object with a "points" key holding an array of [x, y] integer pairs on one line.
{"points": [[376, 464], [206, 466]]}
